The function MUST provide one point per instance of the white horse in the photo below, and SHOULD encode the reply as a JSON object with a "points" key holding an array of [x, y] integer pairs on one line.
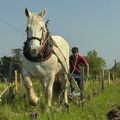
{"points": [[45, 57]]}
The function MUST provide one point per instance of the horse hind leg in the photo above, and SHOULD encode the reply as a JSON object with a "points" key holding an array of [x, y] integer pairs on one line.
{"points": [[57, 88], [32, 97], [60, 87]]}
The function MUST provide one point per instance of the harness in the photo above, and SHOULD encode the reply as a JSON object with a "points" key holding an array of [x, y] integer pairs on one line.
{"points": [[42, 56], [45, 52]]}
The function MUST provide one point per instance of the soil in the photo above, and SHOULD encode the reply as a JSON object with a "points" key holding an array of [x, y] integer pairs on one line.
{"points": [[114, 114]]}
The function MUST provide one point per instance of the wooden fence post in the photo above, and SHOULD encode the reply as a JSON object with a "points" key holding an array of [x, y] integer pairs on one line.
{"points": [[103, 80], [10, 94], [21, 82], [82, 86], [16, 87], [108, 78]]}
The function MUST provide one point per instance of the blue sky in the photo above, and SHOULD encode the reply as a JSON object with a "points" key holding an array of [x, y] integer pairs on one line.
{"points": [[87, 24]]}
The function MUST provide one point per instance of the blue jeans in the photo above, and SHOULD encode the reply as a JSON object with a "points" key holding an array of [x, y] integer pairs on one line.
{"points": [[76, 78]]}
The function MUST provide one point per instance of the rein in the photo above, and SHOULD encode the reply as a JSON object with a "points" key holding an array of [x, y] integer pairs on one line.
{"points": [[55, 44]]}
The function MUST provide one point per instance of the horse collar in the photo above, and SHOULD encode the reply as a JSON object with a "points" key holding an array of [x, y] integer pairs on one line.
{"points": [[45, 52]]}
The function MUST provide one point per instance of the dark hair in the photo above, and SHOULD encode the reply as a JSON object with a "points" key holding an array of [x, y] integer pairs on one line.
{"points": [[74, 50]]}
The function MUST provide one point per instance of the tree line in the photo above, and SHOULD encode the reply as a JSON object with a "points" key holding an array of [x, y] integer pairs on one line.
{"points": [[96, 63]]}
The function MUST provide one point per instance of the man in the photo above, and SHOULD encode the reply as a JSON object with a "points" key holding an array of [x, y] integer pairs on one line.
{"points": [[77, 61]]}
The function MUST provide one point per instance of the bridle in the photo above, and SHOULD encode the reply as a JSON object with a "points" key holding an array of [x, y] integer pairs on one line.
{"points": [[32, 38], [37, 38], [45, 50], [43, 31]]}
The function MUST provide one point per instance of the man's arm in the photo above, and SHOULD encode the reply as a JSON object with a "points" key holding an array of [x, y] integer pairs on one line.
{"points": [[86, 64]]}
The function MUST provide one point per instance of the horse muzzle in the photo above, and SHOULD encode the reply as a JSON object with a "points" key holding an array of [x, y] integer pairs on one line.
{"points": [[34, 52]]}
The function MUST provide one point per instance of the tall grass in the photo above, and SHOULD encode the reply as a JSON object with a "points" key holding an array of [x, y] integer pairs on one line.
{"points": [[94, 109]]}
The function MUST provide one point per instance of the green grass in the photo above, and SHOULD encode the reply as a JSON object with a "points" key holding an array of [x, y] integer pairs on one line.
{"points": [[94, 109]]}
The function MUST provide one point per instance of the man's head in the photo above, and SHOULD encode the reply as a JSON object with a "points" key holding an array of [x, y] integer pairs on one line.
{"points": [[75, 51]]}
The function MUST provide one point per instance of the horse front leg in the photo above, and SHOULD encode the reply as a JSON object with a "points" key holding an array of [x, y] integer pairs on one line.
{"points": [[49, 90], [32, 97]]}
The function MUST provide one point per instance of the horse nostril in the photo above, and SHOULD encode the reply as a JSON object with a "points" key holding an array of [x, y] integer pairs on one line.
{"points": [[33, 51]]}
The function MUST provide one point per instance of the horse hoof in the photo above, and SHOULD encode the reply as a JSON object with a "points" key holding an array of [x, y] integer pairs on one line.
{"points": [[34, 115], [50, 109], [67, 105], [54, 109], [34, 102]]}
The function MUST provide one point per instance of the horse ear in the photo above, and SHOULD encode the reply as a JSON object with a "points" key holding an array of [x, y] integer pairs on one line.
{"points": [[43, 13], [27, 12]]}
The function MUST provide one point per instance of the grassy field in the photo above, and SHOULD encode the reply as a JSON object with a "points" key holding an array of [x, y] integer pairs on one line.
{"points": [[96, 106]]}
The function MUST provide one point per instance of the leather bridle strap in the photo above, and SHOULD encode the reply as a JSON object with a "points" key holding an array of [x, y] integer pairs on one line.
{"points": [[31, 38]]}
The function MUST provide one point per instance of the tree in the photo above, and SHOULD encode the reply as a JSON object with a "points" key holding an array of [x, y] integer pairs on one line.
{"points": [[96, 63], [17, 55], [15, 59], [4, 65], [17, 62], [116, 69]]}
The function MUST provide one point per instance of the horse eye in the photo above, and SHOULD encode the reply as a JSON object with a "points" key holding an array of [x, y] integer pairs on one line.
{"points": [[42, 28]]}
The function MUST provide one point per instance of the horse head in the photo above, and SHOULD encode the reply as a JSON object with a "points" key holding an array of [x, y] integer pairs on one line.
{"points": [[36, 31]]}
